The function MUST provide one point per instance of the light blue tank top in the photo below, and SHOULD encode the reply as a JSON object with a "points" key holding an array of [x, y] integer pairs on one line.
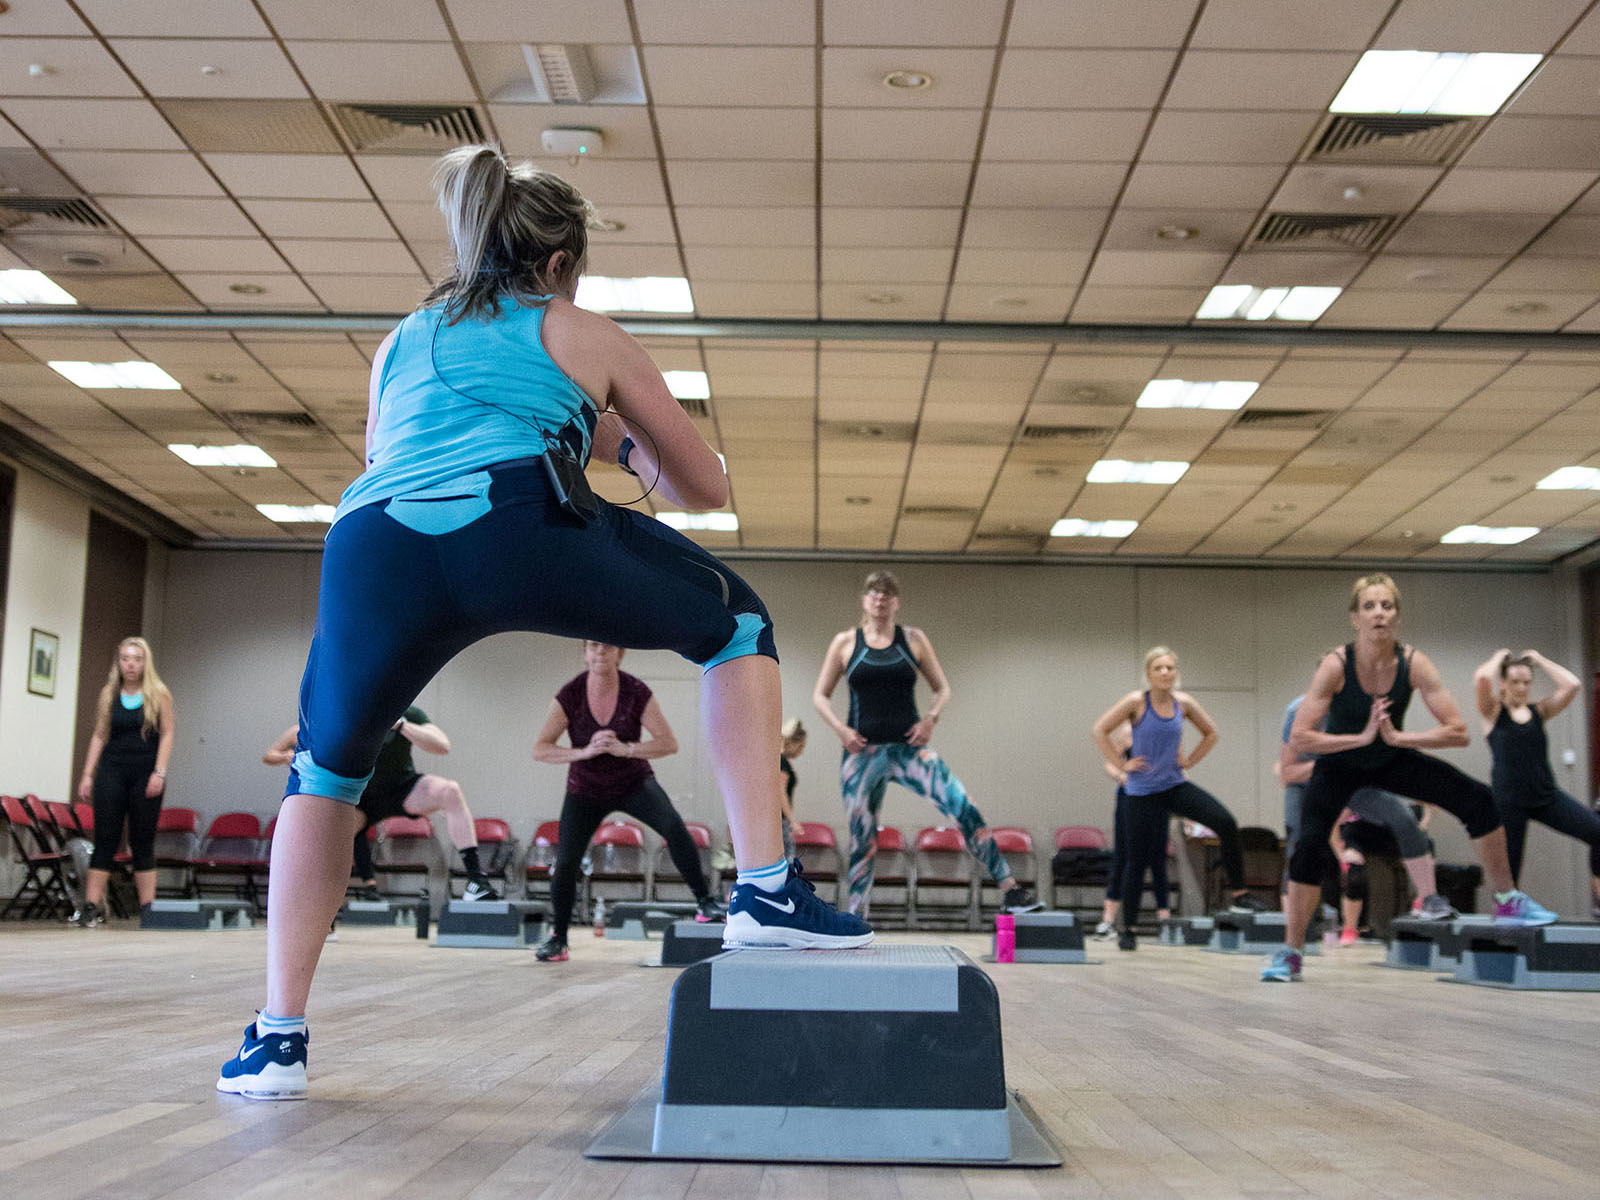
{"points": [[1156, 740], [516, 401]]}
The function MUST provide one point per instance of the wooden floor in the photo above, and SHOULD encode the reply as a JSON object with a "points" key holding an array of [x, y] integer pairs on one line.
{"points": [[479, 1073]]}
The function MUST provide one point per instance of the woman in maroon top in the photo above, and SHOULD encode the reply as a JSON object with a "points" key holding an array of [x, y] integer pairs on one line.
{"points": [[604, 712]]}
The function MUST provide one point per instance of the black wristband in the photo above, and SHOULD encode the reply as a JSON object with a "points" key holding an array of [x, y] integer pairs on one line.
{"points": [[625, 449]]}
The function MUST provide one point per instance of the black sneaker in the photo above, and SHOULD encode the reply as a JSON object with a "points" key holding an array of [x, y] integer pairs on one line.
{"points": [[369, 893], [708, 910], [1020, 900], [1126, 940], [1248, 903], [479, 888], [88, 916], [552, 949]]}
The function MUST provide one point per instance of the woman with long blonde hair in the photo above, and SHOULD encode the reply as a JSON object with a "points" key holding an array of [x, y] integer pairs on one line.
{"points": [[125, 773]]}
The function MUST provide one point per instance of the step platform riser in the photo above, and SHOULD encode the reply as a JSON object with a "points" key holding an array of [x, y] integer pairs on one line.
{"points": [[491, 925], [1429, 945], [379, 912], [1559, 957], [633, 920], [1256, 933], [1047, 937], [206, 916], [687, 942]]}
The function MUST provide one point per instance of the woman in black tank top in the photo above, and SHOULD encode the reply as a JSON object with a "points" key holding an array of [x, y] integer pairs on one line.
{"points": [[1363, 689], [885, 741], [1524, 786]]}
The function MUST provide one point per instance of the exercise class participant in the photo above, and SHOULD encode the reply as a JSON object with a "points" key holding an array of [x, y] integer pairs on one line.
{"points": [[1122, 741], [125, 774], [605, 712], [1523, 784], [472, 518], [885, 741], [398, 789], [1353, 839], [1368, 804], [790, 748], [1362, 690], [1158, 787]]}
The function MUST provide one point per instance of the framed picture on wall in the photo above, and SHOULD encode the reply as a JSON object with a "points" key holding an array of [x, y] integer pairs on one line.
{"points": [[43, 650]]}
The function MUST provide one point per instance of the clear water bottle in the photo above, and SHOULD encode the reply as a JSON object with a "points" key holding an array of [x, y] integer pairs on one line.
{"points": [[600, 917], [424, 912]]}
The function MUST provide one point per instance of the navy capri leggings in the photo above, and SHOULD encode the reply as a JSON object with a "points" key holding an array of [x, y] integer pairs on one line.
{"points": [[407, 584], [1411, 774]]}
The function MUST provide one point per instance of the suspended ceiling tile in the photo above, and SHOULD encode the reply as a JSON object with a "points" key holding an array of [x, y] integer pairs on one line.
{"points": [[374, 72], [1048, 268], [1464, 233], [1333, 25], [566, 21], [60, 124], [1426, 273], [1082, 78], [203, 68], [136, 173], [1519, 310], [742, 184], [937, 184], [331, 256], [357, 20], [1506, 190], [853, 77], [1548, 142], [849, 226], [369, 294], [1053, 135], [741, 263], [1226, 137], [357, 219], [68, 67], [1562, 86], [1200, 230], [881, 135], [1137, 305], [728, 132], [1155, 268], [936, 23], [1257, 80], [1173, 185], [865, 265], [1360, 308], [1012, 228], [1476, 24], [277, 291], [752, 227], [723, 22], [178, 216], [252, 255], [1129, 23], [747, 76], [1046, 185]]}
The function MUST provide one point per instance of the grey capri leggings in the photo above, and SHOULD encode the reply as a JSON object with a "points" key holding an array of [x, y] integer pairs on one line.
{"points": [[1370, 804]]}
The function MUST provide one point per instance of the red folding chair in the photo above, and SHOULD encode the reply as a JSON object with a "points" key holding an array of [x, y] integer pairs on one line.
{"points": [[177, 844], [497, 851], [232, 858], [944, 884], [818, 852], [406, 847], [664, 872], [1016, 847], [1086, 864], [890, 899], [44, 885], [540, 860], [617, 855]]}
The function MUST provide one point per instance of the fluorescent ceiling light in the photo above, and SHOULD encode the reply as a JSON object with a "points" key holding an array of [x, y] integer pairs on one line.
{"points": [[1487, 535], [688, 385], [722, 522], [117, 375], [1074, 527], [1181, 393], [32, 287], [297, 514], [651, 293], [222, 456], [1120, 470], [1238, 301], [1576, 479], [1427, 81]]}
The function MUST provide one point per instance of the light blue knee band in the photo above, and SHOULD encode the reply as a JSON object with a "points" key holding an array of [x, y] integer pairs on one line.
{"points": [[741, 644], [313, 780]]}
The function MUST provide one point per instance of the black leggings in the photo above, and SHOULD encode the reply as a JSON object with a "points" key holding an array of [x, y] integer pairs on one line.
{"points": [[582, 816], [118, 797], [1563, 814], [361, 858], [1119, 859], [1411, 774], [1147, 836]]}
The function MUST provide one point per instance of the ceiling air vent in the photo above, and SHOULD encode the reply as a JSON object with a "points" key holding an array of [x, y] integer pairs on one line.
{"points": [[408, 128], [72, 211], [270, 420], [1382, 138], [694, 406], [999, 539], [252, 126], [1323, 231], [943, 512], [1281, 418], [1064, 433]]}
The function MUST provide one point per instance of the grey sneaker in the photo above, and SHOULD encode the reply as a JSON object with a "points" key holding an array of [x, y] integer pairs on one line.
{"points": [[1436, 908], [1104, 932]]}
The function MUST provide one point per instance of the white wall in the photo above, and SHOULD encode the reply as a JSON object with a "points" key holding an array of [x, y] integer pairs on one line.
{"points": [[44, 590], [1034, 654]]}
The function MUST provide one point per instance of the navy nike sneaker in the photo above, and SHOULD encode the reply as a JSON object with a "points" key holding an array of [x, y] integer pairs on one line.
{"points": [[790, 919], [267, 1068]]}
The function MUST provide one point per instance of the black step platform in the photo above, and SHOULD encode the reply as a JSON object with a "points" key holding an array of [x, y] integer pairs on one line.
{"points": [[1048, 937], [491, 924], [379, 912], [1429, 945], [207, 915], [1561, 957], [1255, 933], [1187, 931], [638, 919], [686, 942], [882, 1054]]}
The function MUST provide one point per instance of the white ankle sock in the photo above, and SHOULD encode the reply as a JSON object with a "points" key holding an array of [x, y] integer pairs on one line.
{"points": [[770, 878]]}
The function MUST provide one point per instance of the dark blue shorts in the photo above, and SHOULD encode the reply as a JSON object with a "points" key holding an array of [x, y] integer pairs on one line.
{"points": [[498, 555]]}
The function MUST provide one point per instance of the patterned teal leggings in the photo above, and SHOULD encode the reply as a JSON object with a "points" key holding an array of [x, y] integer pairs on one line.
{"points": [[862, 779]]}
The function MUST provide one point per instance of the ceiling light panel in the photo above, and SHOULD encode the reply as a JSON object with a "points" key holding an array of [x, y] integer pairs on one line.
{"points": [[1586, 479], [1120, 470], [1240, 301], [222, 456], [1076, 527], [1424, 81], [1486, 535], [720, 522], [31, 287], [297, 514], [653, 293], [132, 374], [1224, 394]]}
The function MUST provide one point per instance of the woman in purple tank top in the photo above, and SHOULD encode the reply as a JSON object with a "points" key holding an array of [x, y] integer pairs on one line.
{"points": [[1156, 783]]}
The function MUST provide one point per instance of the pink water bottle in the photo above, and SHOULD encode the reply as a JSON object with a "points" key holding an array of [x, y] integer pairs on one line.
{"points": [[1005, 938]]}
